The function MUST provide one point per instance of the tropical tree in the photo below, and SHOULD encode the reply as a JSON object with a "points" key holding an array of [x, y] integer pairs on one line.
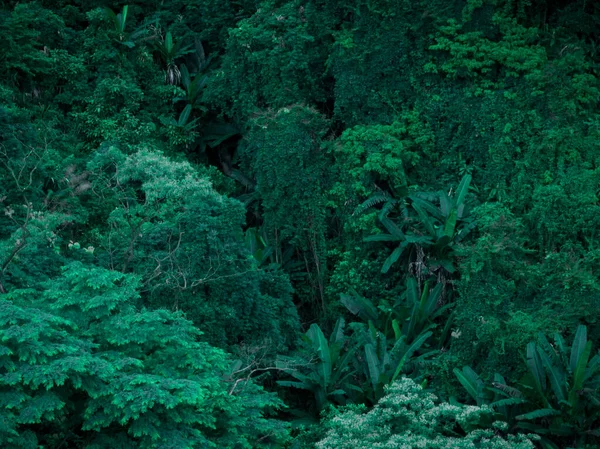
{"points": [[84, 365]]}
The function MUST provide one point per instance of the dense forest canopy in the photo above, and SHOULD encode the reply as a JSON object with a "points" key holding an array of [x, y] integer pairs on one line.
{"points": [[299, 224]]}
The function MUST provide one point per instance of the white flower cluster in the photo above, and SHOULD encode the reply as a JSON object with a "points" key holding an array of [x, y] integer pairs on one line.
{"points": [[409, 418]]}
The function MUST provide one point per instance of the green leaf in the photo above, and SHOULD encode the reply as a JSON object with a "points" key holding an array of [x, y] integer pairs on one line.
{"points": [[536, 414], [557, 378], [372, 201], [124, 18], [337, 336], [426, 206], [315, 334], [592, 367], [450, 224], [169, 43], [430, 302], [507, 401], [391, 227], [414, 347], [425, 220], [360, 306], [462, 190], [471, 382], [185, 115], [578, 375], [393, 258], [186, 80], [294, 384], [397, 330], [536, 369], [547, 444], [578, 346], [373, 365], [382, 238], [465, 231], [500, 387]]}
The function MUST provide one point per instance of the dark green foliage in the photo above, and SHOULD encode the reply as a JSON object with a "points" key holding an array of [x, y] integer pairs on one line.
{"points": [[170, 227], [324, 368], [557, 398], [248, 163], [285, 154], [438, 223]]}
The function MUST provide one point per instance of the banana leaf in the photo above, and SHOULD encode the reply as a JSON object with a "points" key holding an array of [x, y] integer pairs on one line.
{"points": [[578, 346], [372, 365], [471, 381], [536, 414]]}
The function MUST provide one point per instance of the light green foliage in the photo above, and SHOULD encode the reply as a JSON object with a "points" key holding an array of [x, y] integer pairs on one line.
{"points": [[83, 364], [472, 55], [409, 417], [373, 158]]}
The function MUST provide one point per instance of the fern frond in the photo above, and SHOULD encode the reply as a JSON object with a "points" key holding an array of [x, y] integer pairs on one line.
{"points": [[373, 201]]}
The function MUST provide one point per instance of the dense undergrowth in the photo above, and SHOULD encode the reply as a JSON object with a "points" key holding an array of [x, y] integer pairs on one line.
{"points": [[298, 224]]}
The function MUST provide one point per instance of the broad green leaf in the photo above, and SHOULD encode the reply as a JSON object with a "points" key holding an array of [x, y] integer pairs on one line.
{"points": [[425, 205], [450, 224], [373, 365], [168, 43], [315, 334], [578, 346], [425, 220], [382, 238], [397, 330], [337, 336], [124, 18], [360, 306], [414, 347], [578, 375], [391, 227], [536, 414], [507, 401], [468, 385], [462, 190], [185, 115], [536, 369], [393, 258], [430, 303], [592, 367], [557, 378]]}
